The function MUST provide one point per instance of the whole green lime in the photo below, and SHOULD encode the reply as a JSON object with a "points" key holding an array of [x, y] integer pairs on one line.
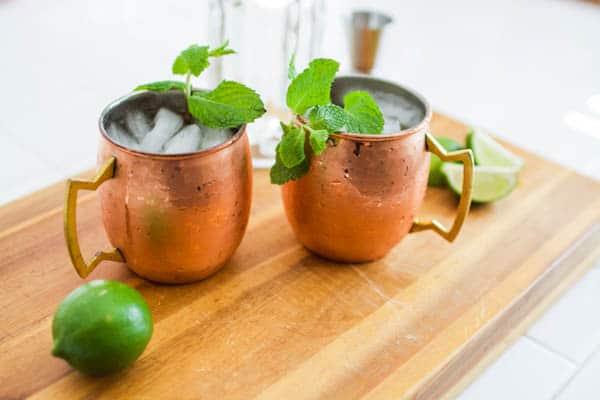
{"points": [[101, 327], [436, 177]]}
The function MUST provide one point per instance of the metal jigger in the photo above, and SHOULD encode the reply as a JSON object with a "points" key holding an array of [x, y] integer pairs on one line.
{"points": [[366, 27]]}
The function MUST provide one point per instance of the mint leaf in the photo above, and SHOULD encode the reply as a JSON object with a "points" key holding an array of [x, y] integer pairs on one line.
{"points": [[180, 66], [318, 140], [161, 86], [362, 113], [312, 86], [221, 51], [281, 174], [291, 147], [229, 105], [330, 117], [292, 68], [194, 60]]}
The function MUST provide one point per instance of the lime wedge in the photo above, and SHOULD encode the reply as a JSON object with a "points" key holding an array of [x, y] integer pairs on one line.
{"points": [[489, 183], [490, 153], [436, 178]]}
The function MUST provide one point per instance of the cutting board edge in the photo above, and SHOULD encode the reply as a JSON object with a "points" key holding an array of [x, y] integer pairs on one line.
{"points": [[540, 295]]}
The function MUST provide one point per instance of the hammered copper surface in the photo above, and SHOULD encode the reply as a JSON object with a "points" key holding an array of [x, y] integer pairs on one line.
{"points": [[177, 218], [361, 195]]}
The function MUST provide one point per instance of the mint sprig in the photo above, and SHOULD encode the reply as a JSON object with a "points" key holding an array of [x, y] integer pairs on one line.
{"points": [[330, 117], [362, 113], [161, 86], [312, 86], [192, 60], [318, 140], [292, 68], [291, 147], [222, 50], [281, 174], [309, 93], [229, 105]]}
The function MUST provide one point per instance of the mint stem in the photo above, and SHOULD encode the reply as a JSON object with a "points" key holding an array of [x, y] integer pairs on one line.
{"points": [[302, 124], [188, 86], [308, 128]]}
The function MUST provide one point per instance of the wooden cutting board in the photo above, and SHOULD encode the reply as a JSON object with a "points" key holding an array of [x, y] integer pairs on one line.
{"points": [[279, 323]]}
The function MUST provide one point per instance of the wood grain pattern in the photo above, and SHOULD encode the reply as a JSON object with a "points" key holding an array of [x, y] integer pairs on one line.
{"points": [[278, 322]]}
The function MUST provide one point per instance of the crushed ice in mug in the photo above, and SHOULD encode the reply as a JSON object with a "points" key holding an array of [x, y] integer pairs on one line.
{"points": [[165, 133]]}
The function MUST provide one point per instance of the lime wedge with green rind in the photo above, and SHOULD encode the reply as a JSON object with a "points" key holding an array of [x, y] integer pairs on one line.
{"points": [[488, 152], [489, 183], [436, 177]]}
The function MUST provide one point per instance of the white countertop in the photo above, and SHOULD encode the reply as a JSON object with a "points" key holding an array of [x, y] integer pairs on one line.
{"points": [[527, 70]]}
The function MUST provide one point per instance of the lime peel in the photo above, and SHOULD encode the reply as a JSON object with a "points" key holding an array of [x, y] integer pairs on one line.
{"points": [[436, 177], [489, 183], [101, 327], [490, 153]]}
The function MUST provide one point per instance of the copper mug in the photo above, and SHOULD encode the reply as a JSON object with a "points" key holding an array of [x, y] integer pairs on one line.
{"points": [[361, 196], [171, 218]]}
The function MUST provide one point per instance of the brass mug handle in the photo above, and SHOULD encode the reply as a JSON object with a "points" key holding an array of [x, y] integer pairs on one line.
{"points": [[70, 221], [466, 157]]}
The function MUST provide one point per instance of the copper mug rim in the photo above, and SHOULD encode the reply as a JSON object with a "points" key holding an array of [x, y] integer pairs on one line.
{"points": [[364, 137], [180, 156]]}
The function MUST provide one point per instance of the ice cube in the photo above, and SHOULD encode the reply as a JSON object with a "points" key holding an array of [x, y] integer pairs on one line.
{"points": [[121, 136], [138, 124], [399, 112], [186, 141], [391, 125], [213, 137], [166, 124]]}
